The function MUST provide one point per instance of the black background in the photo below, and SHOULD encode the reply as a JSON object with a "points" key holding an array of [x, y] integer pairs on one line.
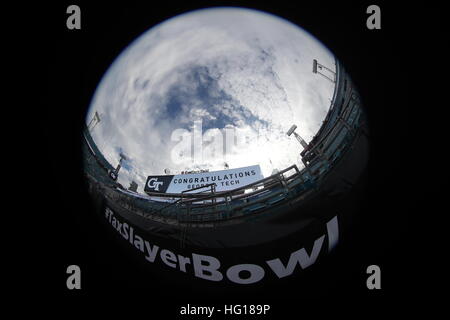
{"points": [[62, 229]]}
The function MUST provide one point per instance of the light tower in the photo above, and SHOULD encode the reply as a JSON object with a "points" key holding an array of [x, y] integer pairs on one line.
{"points": [[300, 139], [302, 142], [319, 68], [94, 121], [122, 158], [114, 174]]}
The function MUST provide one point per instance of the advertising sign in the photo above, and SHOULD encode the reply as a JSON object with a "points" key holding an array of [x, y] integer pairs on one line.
{"points": [[224, 179]]}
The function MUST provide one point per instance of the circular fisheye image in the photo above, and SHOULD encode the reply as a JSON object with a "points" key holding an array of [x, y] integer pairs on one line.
{"points": [[225, 128]]}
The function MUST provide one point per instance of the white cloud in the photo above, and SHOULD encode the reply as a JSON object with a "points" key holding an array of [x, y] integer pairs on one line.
{"points": [[229, 67]]}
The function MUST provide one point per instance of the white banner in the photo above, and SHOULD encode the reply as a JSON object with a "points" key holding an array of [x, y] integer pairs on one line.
{"points": [[224, 179]]}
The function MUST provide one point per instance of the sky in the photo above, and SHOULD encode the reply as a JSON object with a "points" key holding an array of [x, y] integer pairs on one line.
{"points": [[210, 87]]}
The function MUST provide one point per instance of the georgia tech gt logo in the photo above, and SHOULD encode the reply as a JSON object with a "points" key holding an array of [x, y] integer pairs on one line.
{"points": [[153, 183]]}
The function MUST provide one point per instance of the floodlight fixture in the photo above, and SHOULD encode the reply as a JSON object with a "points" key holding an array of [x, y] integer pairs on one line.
{"points": [[123, 156], [292, 129], [318, 66], [94, 121]]}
